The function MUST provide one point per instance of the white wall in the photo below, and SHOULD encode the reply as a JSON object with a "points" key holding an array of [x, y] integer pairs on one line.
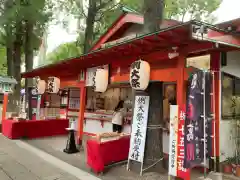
{"points": [[227, 145]]}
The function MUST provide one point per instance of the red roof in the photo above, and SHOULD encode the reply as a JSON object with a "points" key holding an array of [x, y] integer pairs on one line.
{"points": [[123, 22], [161, 41]]}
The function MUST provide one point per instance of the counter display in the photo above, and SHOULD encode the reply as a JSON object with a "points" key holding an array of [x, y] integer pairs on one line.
{"points": [[101, 122]]}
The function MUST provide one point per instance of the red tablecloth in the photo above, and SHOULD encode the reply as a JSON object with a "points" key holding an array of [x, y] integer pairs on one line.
{"points": [[13, 129], [102, 154], [34, 128]]}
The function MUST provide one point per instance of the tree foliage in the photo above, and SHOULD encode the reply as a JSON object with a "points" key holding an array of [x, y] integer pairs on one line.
{"points": [[104, 12], [64, 51], [22, 23]]}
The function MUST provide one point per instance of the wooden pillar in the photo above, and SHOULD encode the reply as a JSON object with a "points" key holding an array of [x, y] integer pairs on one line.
{"points": [[181, 85], [215, 67], [181, 101], [81, 112], [4, 108]]}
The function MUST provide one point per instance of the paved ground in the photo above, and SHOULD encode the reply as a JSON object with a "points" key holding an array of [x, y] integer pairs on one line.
{"points": [[17, 163], [55, 145], [22, 161]]}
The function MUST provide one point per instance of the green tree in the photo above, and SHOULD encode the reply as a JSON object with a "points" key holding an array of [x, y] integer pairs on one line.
{"points": [[99, 14], [190, 9], [181, 9], [64, 51], [90, 12], [153, 16], [23, 22]]}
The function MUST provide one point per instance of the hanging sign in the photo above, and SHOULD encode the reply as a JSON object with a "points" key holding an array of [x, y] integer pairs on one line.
{"points": [[53, 85], [194, 124], [139, 128], [139, 75], [176, 145], [91, 73], [173, 138], [100, 80], [182, 172]]}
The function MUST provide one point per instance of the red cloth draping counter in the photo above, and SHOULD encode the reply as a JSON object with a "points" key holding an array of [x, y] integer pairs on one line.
{"points": [[13, 129], [34, 128], [106, 153]]}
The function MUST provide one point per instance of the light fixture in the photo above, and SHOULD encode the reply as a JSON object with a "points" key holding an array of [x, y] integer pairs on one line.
{"points": [[173, 54]]}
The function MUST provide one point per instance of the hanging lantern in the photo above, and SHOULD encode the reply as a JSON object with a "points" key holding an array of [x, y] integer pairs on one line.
{"points": [[40, 87], [139, 75], [100, 80], [53, 85]]}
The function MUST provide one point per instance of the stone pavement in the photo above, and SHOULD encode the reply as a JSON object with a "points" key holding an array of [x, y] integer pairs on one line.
{"points": [[22, 161], [17, 163]]}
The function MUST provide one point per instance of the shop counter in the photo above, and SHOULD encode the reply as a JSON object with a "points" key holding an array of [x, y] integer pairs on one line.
{"points": [[97, 123], [34, 128], [101, 154]]}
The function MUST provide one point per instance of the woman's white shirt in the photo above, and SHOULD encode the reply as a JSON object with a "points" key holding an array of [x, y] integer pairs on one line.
{"points": [[118, 117]]}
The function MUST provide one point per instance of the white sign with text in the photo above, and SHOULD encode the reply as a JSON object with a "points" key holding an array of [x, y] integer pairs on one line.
{"points": [[139, 128], [173, 139]]}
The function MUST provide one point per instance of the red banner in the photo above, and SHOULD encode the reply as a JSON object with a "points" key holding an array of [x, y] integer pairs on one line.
{"points": [[181, 171]]}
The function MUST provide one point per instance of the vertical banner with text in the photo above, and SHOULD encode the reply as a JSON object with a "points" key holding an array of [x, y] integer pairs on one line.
{"points": [[199, 87], [139, 128], [173, 139], [182, 172], [176, 144]]}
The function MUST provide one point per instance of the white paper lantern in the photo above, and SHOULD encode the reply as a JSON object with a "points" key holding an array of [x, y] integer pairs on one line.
{"points": [[139, 75], [40, 87], [53, 85], [100, 80]]}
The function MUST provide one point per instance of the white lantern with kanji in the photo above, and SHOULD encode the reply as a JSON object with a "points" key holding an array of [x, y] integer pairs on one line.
{"points": [[100, 80], [139, 75], [40, 86], [53, 85]]}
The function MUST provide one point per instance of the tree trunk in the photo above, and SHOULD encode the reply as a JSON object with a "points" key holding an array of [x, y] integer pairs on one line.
{"points": [[153, 147], [89, 32], [153, 15], [17, 64], [9, 42], [10, 60], [28, 49], [10, 64]]}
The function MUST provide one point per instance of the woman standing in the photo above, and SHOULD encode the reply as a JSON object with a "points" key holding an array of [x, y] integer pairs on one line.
{"points": [[118, 116]]}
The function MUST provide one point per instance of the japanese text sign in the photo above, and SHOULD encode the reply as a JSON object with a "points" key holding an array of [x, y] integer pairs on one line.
{"points": [[139, 128]]}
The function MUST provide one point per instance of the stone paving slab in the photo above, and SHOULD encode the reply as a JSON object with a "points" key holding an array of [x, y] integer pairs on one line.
{"points": [[17, 163]]}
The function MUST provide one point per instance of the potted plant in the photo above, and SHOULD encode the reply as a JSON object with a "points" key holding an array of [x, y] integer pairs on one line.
{"points": [[236, 166], [227, 166]]}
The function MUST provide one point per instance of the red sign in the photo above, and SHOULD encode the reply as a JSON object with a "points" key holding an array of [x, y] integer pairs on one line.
{"points": [[181, 171]]}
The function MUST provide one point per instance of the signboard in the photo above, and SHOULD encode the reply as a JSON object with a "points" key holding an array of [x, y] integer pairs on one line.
{"points": [[139, 128], [176, 144], [90, 74], [182, 172], [173, 138], [198, 120]]}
